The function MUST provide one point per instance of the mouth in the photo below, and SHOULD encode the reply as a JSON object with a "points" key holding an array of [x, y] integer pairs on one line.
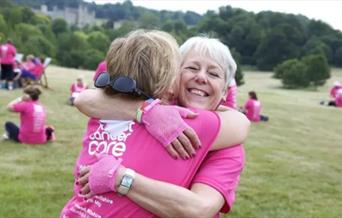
{"points": [[198, 92]]}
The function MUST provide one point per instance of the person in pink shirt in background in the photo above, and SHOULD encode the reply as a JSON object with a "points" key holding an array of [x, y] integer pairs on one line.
{"points": [[231, 100], [30, 69], [333, 95], [76, 88], [32, 128], [38, 69], [337, 85], [203, 83], [7, 57], [338, 98], [101, 67], [252, 108]]}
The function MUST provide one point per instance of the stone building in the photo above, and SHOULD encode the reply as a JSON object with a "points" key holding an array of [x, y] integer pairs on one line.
{"points": [[79, 17]]}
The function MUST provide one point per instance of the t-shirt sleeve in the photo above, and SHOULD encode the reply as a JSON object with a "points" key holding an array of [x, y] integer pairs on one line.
{"points": [[19, 107], [221, 170]]}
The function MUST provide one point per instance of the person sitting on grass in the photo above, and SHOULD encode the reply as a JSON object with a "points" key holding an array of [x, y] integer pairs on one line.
{"points": [[32, 128], [333, 95], [252, 108], [76, 88]]}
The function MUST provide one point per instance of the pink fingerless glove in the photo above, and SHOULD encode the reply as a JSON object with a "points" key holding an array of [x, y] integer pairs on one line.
{"points": [[165, 123], [103, 174]]}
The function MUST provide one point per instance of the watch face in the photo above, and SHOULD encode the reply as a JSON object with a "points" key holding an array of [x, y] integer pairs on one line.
{"points": [[127, 181]]}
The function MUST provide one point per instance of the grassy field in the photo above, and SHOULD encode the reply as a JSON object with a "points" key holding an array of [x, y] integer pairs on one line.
{"points": [[293, 168]]}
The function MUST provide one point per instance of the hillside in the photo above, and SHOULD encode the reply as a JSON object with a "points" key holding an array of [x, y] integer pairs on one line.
{"points": [[293, 164]]}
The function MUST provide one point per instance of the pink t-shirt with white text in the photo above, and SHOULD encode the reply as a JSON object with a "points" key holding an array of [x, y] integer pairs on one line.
{"points": [[141, 152], [7, 53], [253, 110], [101, 67], [32, 122]]}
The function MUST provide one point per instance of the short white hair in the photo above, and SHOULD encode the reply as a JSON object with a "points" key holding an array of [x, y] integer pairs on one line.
{"points": [[214, 49]]}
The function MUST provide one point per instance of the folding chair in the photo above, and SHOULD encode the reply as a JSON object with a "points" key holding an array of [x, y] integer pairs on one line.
{"points": [[43, 78]]}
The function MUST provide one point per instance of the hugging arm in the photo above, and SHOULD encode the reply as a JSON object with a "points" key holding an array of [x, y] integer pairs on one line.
{"points": [[95, 103], [165, 199], [168, 200]]}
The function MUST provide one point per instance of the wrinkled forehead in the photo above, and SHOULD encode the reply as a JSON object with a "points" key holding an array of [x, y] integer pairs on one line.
{"points": [[197, 58]]}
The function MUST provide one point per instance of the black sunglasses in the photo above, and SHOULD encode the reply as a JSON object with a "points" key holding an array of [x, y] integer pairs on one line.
{"points": [[121, 84]]}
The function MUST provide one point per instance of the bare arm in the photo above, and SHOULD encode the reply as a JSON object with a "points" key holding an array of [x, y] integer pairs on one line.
{"points": [[95, 103], [168, 200], [165, 199], [10, 105]]}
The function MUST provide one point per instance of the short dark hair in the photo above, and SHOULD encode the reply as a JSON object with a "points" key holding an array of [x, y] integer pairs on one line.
{"points": [[33, 92], [253, 95]]}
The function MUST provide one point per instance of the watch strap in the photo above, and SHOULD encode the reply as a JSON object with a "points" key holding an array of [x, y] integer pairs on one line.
{"points": [[126, 181]]}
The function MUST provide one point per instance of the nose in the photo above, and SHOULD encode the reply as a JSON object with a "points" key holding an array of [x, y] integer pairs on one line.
{"points": [[201, 76]]}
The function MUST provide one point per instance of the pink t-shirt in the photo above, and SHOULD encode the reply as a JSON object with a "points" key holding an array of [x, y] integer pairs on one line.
{"points": [[334, 90], [141, 152], [231, 96], [28, 65], [7, 53], [338, 99], [38, 70], [75, 87], [221, 170], [253, 110], [102, 67], [32, 122]]}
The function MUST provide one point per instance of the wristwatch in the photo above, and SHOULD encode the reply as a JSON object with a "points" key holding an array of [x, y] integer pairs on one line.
{"points": [[126, 182]]}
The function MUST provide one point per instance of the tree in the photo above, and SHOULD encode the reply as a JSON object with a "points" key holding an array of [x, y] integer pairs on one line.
{"points": [[317, 69], [280, 69], [59, 26], [338, 57], [3, 28], [295, 75], [275, 48], [238, 74], [98, 41]]}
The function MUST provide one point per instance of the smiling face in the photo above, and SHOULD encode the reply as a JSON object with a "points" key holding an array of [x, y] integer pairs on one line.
{"points": [[202, 82]]}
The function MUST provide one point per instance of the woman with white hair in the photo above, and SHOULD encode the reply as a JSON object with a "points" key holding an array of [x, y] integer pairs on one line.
{"points": [[206, 70]]}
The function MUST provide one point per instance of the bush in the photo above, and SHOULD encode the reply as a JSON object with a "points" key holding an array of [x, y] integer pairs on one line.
{"points": [[280, 69], [310, 70], [295, 74], [317, 69]]}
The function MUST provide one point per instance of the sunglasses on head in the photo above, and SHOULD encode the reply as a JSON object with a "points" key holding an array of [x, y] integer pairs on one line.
{"points": [[121, 84]]}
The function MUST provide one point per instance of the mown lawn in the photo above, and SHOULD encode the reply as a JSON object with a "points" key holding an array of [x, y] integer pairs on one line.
{"points": [[293, 169]]}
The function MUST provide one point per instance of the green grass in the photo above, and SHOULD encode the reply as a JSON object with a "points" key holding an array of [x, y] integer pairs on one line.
{"points": [[293, 163]]}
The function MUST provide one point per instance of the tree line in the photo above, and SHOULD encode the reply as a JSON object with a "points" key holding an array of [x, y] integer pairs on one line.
{"points": [[263, 40]]}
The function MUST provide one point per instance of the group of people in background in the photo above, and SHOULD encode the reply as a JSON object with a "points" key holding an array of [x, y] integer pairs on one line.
{"points": [[15, 73], [30, 70]]}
